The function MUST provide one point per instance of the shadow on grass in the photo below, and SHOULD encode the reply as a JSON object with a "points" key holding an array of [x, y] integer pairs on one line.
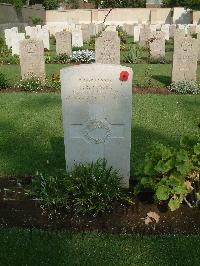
{"points": [[142, 139], [162, 79]]}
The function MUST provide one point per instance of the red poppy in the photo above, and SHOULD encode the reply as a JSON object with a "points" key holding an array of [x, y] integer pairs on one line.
{"points": [[124, 76]]}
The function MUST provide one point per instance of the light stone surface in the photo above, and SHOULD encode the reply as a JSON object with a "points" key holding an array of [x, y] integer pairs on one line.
{"points": [[198, 39], [97, 110], [191, 29], [145, 33], [136, 32], [16, 39], [179, 34], [107, 48], [129, 29], [64, 43], [32, 59], [165, 29], [185, 59], [111, 28], [172, 29], [77, 37], [86, 31], [157, 46]]}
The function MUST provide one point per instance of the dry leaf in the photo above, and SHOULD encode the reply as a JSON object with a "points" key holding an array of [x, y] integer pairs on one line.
{"points": [[189, 185], [147, 220], [154, 216]]}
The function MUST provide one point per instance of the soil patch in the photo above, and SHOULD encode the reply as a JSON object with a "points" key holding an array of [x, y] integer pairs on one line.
{"points": [[16, 209]]}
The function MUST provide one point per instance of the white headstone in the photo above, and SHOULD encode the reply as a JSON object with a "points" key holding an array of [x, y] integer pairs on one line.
{"points": [[136, 32], [185, 59], [17, 37], [165, 29], [77, 38], [97, 109]]}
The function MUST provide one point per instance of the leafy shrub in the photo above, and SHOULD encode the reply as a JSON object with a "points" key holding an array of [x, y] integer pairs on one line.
{"points": [[84, 56], [61, 59], [36, 20], [172, 174], [123, 37], [6, 57], [54, 82], [47, 58], [185, 87], [2, 43], [89, 189], [30, 84], [3, 81], [133, 55]]}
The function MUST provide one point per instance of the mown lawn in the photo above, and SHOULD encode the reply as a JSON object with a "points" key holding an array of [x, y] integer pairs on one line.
{"points": [[35, 248], [31, 130]]}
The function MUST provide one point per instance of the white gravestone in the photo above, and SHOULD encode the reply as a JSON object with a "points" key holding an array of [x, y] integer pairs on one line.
{"points": [[32, 59], [185, 60], [165, 29], [157, 46], [97, 109], [198, 39], [136, 32], [77, 38], [64, 43], [107, 48], [16, 43]]}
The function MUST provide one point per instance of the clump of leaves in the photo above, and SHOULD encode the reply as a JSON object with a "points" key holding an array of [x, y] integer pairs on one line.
{"points": [[172, 174], [3, 81], [30, 84], [133, 55], [90, 188], [61, 59], [184, 87], [54, 82], [147, 80]]}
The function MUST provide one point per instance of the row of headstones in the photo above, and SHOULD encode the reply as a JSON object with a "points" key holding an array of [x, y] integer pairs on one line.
{"points": [[168, 29], [79, 33], [107, 51]]}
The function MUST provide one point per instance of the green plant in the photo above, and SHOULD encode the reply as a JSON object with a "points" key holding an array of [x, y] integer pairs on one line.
{"points": [[47, 58], [35, 20], [185, 87], [147, 80], [172, 174], [3, 81], [61, 59], [30, 84], [133, 55], [90, 188], [123, 36], [54, 82]]}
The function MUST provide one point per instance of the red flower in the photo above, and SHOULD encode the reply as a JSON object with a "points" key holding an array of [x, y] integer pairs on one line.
{"points": [[124, 76]]}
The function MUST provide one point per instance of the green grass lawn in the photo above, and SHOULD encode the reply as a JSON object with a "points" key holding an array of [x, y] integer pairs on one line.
{"points": [[31, 136], [159, 75], [35, 248]]}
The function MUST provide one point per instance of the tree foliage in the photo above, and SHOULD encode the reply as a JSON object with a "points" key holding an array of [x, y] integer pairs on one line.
{"points": [[193, 4], [119, 3]]}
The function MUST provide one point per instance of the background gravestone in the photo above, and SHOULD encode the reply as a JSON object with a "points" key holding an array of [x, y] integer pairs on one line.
{"points": [[172, 29], [64, 43], [107, 48], [77, 38], [32, 59], [97, 109], [157, 46], [145, 33], [198, 39], [185, 60]]}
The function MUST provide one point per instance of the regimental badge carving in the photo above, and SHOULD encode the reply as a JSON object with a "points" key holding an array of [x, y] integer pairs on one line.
{"points": [[96, 131]]}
